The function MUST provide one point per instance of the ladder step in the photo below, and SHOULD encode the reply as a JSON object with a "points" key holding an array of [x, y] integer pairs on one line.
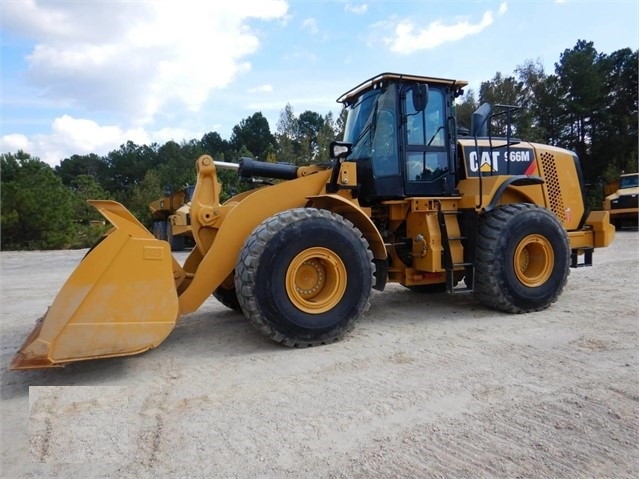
{"points": [[463, 290], [449, 264]]}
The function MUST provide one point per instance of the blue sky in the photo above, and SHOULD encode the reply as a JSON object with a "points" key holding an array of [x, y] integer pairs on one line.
{"points": [[81, 77]]}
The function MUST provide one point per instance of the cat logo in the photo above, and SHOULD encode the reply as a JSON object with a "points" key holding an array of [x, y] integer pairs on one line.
{"points": [[488, 163], [501, 161]]}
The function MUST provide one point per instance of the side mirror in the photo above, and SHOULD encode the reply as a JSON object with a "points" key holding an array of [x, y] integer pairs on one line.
{"points": [[420, 96]]}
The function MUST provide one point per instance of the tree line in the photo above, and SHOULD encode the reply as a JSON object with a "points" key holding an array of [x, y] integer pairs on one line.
{"points": [[588, 105]]}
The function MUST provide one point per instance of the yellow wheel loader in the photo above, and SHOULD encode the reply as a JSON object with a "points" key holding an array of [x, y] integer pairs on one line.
{"points": [[171, 221], [406, 198], [622, 200]]}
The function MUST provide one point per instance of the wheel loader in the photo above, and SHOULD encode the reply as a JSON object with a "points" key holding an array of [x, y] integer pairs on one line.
{"points": [[622, 200], [171, 221], [409, 197]]}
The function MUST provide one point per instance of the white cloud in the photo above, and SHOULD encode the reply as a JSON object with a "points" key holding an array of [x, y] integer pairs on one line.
{"points": [[168, 51], [356, 9], [89, 137], [15, 142], [408, 38], [78, 136], [135, 61], [136, 58], [310, 25], [83, 136]]}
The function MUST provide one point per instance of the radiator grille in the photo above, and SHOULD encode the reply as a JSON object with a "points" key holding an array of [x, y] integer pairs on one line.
{"points": [[552, 185]]}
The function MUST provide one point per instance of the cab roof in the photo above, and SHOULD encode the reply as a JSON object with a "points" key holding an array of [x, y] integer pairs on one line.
{"points": [[378, 80]]}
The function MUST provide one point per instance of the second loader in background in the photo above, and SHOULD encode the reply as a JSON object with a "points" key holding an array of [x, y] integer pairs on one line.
{"points": [[172, 219], [406, 199], [622, 200]]}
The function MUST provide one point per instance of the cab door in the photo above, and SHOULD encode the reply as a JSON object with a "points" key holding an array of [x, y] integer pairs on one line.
{"points": [[427, 161]]}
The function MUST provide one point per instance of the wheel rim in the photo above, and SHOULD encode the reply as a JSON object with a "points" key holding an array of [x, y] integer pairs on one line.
{"points": [[534, 260], [316, 280]]}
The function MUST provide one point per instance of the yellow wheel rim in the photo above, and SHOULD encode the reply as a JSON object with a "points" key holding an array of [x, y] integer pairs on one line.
{"points": [[534, 260], [316, 280]]}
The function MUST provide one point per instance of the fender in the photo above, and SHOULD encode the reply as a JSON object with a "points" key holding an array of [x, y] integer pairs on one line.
{"points": [[222, 229], [518, 180], [352, 212]]}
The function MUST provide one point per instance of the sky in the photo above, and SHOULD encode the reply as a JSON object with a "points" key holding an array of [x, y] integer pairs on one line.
{"points": [[86, 76]]}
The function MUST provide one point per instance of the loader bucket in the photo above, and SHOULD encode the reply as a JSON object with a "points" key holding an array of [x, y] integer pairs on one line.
{"points": [[120, 300]]}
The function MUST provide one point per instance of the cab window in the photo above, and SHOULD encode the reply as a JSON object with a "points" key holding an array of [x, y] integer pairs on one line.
{"points": [[385, 152], [426, 155]]}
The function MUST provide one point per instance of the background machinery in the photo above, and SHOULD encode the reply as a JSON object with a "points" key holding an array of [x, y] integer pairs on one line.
{"points": [[404, 200], [171, 218], [622, 200]]}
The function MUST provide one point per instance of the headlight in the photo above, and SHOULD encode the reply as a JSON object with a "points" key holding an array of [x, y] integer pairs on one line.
{"points": [[340, 149]]}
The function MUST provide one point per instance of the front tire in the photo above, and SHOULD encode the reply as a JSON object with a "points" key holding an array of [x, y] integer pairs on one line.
{"points": [[304, 277], [523, 258]]}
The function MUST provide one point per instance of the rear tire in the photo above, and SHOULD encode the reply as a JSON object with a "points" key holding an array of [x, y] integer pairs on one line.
{"points": [[523, 258], [176, 242], [304, 277], [225, 294], [159, 230]]}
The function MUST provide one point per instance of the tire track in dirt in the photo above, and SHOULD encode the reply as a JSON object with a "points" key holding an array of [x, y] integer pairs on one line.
{"points": [[78, 424], [151, 422], [41, 421], [519, 440]]}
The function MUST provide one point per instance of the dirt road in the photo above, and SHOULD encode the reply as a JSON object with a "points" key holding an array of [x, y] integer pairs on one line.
{"points": [[425, 386]]}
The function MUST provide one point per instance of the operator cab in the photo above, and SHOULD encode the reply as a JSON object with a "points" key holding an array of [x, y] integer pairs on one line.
{"points": [[402, 132]]}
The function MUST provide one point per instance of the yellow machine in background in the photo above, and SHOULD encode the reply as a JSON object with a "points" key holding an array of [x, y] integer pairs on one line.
{"points": [[171, 218], [622, 200], [405, 200]]}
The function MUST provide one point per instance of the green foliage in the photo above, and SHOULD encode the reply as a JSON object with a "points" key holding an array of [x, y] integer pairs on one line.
{"points": [[325, 136], [254, 134], [90, 165], [36, 205], [143, 194], [502, 91], [305, 139], [212, 144], [310, 124], [289, 148], [85, 188], [88, 236], [130, 163], [176, 164]]}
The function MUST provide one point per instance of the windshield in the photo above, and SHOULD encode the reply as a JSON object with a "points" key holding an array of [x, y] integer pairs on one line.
{"points": [[629, 181], [359, 122], [371, 127]]}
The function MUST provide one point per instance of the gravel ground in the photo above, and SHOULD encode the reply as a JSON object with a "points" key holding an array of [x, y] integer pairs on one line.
{"points": [[425, 386]]}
